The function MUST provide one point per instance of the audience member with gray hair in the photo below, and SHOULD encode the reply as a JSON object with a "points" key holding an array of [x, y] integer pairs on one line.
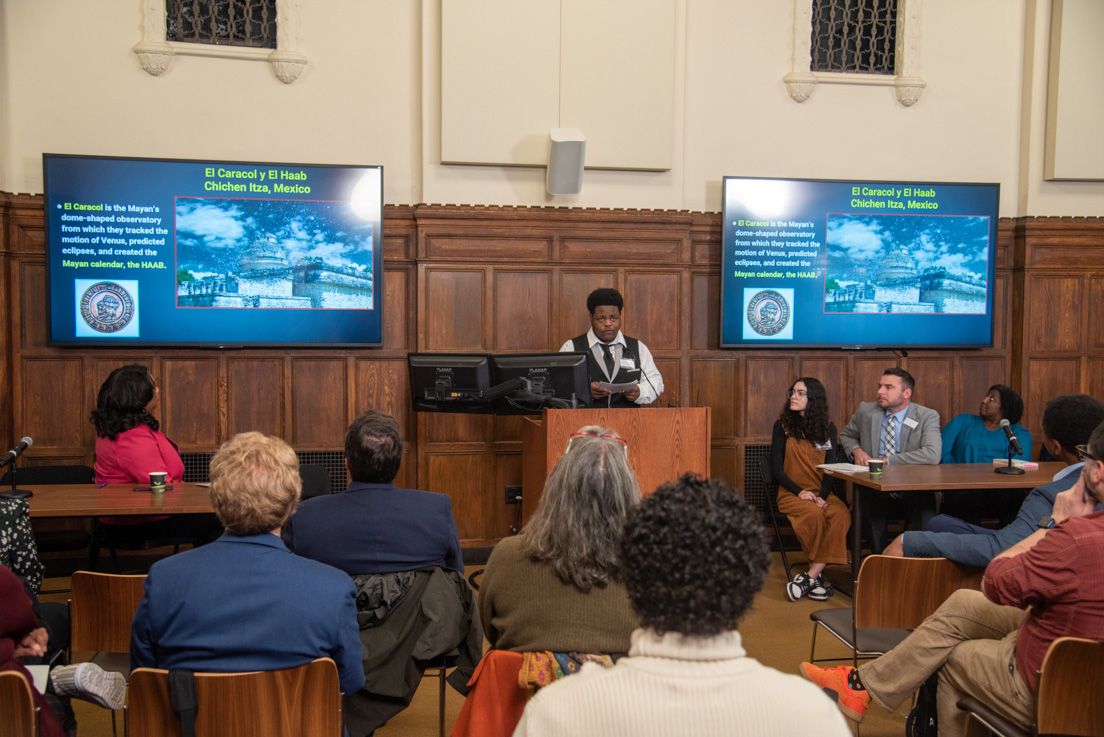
{"points": [[557, 586], [693, 557]]}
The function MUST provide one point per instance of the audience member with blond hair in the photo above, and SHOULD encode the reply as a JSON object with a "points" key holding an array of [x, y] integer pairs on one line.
{"points": [[245, 602], [556, 586]]}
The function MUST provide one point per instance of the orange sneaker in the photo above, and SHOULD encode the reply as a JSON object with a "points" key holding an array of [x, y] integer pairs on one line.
{"points": [[833, 681]]}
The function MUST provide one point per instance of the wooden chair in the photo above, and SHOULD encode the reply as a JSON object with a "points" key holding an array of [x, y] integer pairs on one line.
{"points": [[295, 702], [101, 609], [892, 597], [18, 716], [1067, 694]]}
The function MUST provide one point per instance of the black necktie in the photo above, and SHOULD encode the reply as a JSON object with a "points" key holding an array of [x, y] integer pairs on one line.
{"points": [[609, 359]]}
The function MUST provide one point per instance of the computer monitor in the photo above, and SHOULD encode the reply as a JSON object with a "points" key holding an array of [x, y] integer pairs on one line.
{"points": [[450, 382], [558, 380]]}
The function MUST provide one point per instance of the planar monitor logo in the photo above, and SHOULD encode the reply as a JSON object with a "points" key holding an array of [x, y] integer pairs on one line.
{"points": [[768, 313], [107, 307]]}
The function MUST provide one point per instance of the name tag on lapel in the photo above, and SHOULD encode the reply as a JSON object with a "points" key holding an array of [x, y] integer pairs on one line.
{"points": [[910, 423], [826, 445]]}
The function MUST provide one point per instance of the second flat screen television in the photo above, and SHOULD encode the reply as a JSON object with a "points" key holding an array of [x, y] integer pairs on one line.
{"points": [[813, 263]]}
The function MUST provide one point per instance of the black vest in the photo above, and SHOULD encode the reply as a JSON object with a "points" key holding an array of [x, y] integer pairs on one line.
{"points": [[597, 372]]}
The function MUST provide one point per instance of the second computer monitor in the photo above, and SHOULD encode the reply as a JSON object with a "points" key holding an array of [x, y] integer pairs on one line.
{"points": [[557, 380]]}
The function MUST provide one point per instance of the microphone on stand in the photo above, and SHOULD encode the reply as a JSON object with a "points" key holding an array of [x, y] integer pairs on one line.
{"points": [[16, 451], [1013, 445], [1012, 437], [13, 492]]}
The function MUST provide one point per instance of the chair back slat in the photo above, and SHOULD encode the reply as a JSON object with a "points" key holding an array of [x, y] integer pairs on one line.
{"points": [[17, 709], [295, 702], [101, 609], [1067, 698], [900, 593]]}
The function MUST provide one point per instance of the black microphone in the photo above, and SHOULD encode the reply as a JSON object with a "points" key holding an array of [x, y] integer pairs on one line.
{"points": [[1012, 437], [16, 451]]}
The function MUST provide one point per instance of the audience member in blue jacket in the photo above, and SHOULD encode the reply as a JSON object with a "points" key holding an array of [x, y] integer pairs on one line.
{"points": [[1068, 421], [979, 438], [245, 602], [375, 527]]}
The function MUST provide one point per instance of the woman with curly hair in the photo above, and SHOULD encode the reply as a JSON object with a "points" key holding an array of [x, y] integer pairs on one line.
{"points": [[804, 438], [693, 556], [557, 585]]}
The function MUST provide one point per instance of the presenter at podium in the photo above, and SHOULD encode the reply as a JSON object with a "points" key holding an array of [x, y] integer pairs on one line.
{"points": [[622, 372]]}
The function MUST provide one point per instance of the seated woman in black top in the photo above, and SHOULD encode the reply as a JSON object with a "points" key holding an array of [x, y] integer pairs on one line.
{"points": [[803, 438]]}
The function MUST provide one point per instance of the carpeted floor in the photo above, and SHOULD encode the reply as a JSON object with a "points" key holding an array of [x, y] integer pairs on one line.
{"points": [[777, 632]]}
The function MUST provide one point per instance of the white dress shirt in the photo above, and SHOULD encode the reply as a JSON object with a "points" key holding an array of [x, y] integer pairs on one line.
{"points": [[650, 387]]}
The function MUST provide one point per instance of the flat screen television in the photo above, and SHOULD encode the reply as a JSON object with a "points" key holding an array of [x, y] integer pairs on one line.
{"points": [[221, 254], [558, 380], [450, 382], [814, 263]]}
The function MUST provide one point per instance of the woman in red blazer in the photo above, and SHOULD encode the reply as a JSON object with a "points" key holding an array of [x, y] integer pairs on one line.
{"points": [[129, 446]]}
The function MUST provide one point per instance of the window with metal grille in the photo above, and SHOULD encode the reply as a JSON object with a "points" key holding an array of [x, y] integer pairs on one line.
{"points": [[250, 23], [857, 36]]}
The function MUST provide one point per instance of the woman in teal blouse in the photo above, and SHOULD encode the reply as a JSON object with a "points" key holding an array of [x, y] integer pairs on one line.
{"points": [[979, 438]]}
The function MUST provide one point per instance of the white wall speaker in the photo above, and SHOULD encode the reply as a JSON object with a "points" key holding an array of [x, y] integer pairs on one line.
{"points": [[565, 161]]}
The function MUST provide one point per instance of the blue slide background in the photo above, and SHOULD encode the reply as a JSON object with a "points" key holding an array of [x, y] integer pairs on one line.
{"points": [[814, 201], [158, 183]]}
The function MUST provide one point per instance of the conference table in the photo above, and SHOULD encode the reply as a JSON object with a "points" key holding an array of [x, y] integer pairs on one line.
{"points": [[115, 500], [945, 477]]}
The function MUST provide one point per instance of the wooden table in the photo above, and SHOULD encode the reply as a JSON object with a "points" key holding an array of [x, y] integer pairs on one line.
{"points": [[947, 477], [87, 500]]}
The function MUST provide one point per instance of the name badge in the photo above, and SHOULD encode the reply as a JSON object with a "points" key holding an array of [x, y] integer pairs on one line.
{"points": [[628, 363], [910, 423], [826, 445]]}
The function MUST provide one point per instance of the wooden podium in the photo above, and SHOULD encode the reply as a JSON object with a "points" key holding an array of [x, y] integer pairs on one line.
{"points": [[664, 443]]}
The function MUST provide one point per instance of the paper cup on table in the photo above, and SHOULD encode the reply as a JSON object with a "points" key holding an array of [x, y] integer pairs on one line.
{"points": [[875, 467], [157, 481]]}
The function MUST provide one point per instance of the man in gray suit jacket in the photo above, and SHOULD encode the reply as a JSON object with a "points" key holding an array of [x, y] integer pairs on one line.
{"points": [[899, 431]]}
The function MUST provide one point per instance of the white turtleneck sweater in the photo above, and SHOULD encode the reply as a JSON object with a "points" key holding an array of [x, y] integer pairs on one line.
{"points": [[680, 685]]}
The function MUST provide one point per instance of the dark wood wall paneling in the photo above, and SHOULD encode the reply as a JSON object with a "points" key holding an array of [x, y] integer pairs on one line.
{"points": [[497, 279], [1059, 333]]}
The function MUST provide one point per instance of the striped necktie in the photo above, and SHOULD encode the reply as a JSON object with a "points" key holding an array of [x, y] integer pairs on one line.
{"points": [[891, 436]]}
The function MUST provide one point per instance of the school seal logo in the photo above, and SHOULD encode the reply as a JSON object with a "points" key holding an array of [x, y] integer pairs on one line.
{"points": [[768, 312], [106, 307]]}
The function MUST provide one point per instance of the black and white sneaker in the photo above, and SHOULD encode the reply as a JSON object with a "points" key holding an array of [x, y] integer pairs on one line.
{"points": [[820, 591], [799, 586]]}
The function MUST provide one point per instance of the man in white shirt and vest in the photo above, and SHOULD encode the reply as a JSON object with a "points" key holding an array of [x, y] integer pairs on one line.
{"points": [[614, 358]]}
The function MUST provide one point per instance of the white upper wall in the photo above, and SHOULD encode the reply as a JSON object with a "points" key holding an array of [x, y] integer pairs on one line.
{"points": [[74, 85], [70, 83]]}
